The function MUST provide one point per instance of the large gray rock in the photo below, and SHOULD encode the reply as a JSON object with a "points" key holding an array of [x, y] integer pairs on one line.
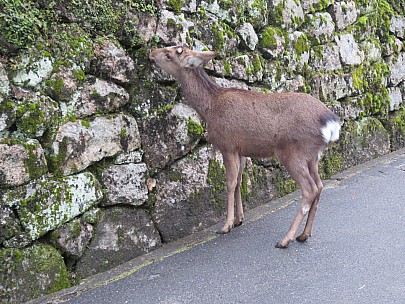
{"points": [[363, 140], [397, 69], [79, 144], [349, 49], [320, 27], [254, 12], [21, 163], [332, 87], [72, 238], [173, 28], [36, 112], [349, 108], [62, 84], [112, 63], [299, 51], [395, 97], [397, 26], [31, 72], [315, 5], [4, 82], [344, 14], [170, 135], [96, 96], [216, 35], [248, 36], [125, 184], [182, 195], [122, 234], [47, 203], [325, 58], [241, 67], [292, 14], [8, 112], [372, 50], [9, 225], [30, 273], [273, 42]]}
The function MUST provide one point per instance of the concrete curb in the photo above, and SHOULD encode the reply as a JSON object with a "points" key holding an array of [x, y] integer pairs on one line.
{"points": [[197, 238]]}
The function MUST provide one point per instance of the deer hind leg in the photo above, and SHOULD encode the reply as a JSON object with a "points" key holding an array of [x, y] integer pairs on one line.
{"points": [[309, 191], [232, 164], [313, 170], [238, 198]]}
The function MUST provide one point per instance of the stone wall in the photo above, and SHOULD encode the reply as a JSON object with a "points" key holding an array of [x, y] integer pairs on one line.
{"points": [[100, 159]]}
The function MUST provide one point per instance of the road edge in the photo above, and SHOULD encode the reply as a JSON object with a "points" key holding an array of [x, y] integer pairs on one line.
{"points": [[186, 243]]}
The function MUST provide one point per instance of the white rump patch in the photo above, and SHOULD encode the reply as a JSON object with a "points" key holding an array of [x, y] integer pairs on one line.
{"points": [[330, 131]]}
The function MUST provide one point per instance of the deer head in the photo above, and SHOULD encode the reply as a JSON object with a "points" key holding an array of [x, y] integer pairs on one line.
{"points": [[174, 59]]}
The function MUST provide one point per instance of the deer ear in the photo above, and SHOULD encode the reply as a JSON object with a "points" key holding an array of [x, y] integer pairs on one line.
{"points": [[198, 58], [193, 62]]}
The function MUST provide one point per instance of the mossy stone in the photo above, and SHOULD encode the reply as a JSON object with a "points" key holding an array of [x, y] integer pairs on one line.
{"points": [[31, 272]]}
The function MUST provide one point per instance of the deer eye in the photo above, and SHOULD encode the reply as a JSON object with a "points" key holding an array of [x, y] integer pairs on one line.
{"points": [[168, 57]]}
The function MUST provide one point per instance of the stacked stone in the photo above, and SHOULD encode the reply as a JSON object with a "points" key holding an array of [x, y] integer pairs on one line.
{"points": [[101, 161]]}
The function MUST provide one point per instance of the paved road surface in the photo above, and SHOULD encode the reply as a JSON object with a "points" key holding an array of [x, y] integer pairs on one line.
{"points": [[357, 253]]}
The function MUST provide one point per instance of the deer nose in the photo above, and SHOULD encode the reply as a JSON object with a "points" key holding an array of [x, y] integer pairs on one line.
{"points": [[151, 57]]}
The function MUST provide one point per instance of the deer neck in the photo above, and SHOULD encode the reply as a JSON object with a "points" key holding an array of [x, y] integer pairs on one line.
{"points": [[199, 90]]}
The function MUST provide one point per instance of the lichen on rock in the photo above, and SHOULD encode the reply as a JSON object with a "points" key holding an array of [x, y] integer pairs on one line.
{"points": [[47, 203], [31, 272]]}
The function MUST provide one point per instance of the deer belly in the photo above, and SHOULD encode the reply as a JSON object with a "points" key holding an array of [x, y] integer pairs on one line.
{"points": [[256, 149]]}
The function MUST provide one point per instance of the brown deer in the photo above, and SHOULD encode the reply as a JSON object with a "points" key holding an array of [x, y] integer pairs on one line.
{"points": [[294, 127]]}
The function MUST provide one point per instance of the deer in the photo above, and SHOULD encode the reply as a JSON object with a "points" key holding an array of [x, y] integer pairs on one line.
{"points": [[293, 127]]}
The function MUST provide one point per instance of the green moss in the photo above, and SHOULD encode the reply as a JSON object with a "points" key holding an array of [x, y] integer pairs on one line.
{"points": [[363, 20], [397, 129], [277, 14], [86, 123], [370, 79], [31, 118], [358, 77], [219, 37], [227, 67], [269, 37], [176, 5], [33, 163], [149, 7], [24, 22], [244, 191], [79, 75], [56, 161], [331, 162], [124, 138], [27, 265], [284, 185], [56, 85], [194, 127], [175, 176], [301, 45], [100, 15], [226, 4], [217, 180]]}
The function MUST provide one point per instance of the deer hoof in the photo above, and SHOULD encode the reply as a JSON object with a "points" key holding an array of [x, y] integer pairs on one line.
{"points": [[302, 238], [225, 230], [282, 245], [238, 223]]}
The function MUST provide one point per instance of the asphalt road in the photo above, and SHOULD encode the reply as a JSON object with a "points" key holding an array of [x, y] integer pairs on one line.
{"points": [[356, 255]]}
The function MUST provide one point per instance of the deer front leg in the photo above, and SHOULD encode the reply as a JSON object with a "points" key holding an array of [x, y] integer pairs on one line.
{"points": [[231, 162], [239, 206]]}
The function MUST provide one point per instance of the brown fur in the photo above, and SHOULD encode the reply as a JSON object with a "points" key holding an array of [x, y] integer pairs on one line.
{"points": [[242, 123]]}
